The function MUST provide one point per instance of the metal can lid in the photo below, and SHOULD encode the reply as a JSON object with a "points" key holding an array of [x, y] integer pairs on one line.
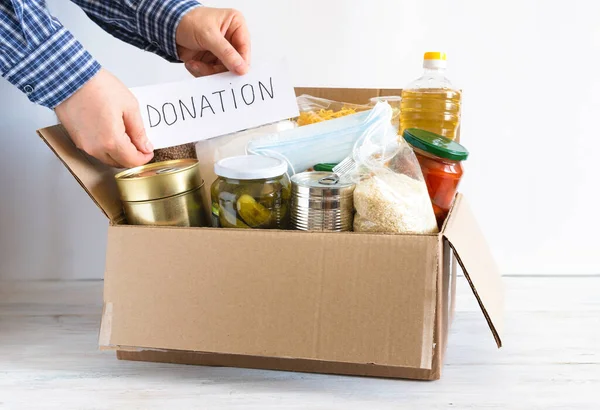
{"points": [[320, 180], [158, 180]]}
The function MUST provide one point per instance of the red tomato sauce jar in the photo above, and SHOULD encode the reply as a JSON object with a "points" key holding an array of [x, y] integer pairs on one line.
{"points": [[440, 160]]}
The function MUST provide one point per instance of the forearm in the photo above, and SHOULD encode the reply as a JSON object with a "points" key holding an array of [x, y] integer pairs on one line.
{"points": [[39, 56], [147, 24]]}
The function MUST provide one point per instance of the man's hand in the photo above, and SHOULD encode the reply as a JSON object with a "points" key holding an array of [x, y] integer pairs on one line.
{"points": [[103, 119], [211, 41]]}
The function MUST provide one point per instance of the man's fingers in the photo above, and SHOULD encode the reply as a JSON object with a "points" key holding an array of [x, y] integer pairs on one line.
{"points": [[134, 127], [240, 40], [200, 69], [126, 154], [109, 161], [206, 57], [93, 151], [216, 43]]}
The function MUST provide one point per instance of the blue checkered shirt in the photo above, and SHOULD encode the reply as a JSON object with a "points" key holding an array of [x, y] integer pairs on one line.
{"points": [[43, 59]]}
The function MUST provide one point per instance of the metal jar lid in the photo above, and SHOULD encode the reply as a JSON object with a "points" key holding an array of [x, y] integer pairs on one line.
{"points": [[250, 167], [158, 180]]}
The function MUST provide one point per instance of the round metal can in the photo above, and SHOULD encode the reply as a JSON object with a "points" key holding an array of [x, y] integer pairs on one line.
{"points": [[163, 193], [321, 202]]}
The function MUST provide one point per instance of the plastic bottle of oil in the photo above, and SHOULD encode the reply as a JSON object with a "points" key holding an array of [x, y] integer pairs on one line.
{"points": [[430, 102]]}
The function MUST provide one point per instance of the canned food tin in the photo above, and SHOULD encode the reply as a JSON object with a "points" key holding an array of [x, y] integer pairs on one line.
{"points": [[321, 202], [163, 193]]}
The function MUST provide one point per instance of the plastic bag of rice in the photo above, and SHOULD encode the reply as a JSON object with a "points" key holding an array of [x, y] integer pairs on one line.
{"points": [[391, 202], [390, 195]]}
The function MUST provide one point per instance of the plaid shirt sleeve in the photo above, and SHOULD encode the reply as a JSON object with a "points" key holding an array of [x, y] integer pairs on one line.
{"points": [[43, 59], [146, 24]]}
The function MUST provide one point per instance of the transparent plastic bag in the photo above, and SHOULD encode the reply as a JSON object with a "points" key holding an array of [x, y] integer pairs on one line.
{"points": [[323, 142], [390, 194], [315, 109], [394, 101]]}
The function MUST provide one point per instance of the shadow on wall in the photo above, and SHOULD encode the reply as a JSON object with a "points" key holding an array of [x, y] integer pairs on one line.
{"points": [[49, 228]]}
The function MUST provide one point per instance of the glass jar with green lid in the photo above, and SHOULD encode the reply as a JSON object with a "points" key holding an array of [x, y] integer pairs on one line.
{"points": [[251, 191], [440, 160]]}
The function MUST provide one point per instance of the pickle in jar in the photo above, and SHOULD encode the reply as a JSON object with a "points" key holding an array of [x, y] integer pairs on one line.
{"points": [[253, 213], [230, 220], [251, 190]]}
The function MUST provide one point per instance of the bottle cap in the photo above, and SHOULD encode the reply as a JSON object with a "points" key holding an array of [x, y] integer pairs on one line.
{"points": [[434, 60]]}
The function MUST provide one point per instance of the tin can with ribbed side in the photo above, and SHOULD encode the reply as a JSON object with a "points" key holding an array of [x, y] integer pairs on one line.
{"points": [[166, 193], [321, 202]]}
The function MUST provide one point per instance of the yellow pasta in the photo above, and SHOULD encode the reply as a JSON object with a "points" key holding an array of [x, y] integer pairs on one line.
{"points": [[312, 117]]}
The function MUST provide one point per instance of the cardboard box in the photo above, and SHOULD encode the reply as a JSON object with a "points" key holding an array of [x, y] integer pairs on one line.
{"points": [[344, 303]]}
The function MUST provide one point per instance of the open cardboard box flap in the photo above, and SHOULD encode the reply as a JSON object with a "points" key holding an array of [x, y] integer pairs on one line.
{"points": [[349, 95], [475, 258], [94, 177]]}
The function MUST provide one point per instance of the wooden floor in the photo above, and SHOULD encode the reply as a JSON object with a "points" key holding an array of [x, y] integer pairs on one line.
{"points": [[551, 359]]}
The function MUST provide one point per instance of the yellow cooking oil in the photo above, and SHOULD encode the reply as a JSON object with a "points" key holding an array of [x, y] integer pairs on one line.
{"points": [[431, 109], [430, 102]]}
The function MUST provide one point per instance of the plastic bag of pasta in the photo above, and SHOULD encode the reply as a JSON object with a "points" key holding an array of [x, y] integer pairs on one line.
{"points": [[315, 109]]}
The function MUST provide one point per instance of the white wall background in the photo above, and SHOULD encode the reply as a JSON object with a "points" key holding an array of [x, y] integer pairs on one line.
{"points": [[531, 102]]}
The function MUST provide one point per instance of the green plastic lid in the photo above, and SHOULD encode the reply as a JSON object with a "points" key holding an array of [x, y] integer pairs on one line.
{"points": [[435, 144], [324, 167]]}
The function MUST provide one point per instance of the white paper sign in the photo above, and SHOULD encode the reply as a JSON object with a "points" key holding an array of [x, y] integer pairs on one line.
{"points": [[206, 107]]}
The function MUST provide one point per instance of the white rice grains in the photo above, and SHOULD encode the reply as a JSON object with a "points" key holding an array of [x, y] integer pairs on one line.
{"points": [[393, 203]]}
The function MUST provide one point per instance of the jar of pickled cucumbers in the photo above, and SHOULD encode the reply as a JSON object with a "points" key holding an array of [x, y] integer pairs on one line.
{"points": [[251, 191]]}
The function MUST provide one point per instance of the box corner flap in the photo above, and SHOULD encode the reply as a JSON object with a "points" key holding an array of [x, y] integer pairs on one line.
{"points": [[94, 177], [475, 258]]}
